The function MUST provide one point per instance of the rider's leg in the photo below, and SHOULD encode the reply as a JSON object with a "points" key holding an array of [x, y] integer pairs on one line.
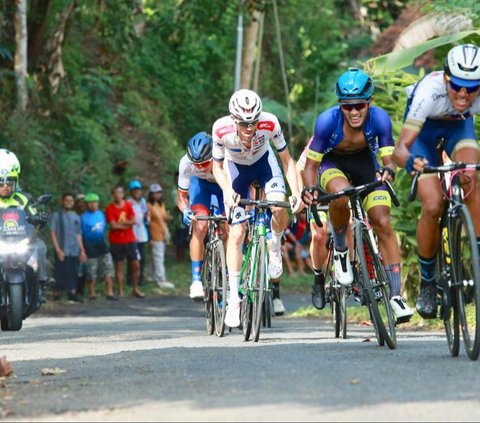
{"points": [[318, 254], [236, 236]]}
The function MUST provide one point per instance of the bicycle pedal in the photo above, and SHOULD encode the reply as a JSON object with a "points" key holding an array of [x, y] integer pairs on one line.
{"points": [[401, 320]]}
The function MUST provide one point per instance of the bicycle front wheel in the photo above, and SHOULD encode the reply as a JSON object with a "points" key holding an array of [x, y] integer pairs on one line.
{"points": [[208, 291], [449, 305], [377, 287], [219, 287], [467, 279], [259, 286]]}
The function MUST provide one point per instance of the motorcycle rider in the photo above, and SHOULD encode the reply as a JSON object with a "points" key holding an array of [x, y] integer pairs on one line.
{"points": [[12, 196]]}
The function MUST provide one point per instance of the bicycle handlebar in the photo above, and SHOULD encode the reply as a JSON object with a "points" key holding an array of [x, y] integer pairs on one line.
{"points": [[263, 204], [439, 169], [214, 218]]}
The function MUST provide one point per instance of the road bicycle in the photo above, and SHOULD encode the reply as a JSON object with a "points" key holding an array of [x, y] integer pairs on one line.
{"points": [[214, 275], [254, 289], [371, 285], [458, 271]]}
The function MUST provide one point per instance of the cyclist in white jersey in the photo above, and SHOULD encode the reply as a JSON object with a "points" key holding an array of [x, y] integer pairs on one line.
{"points": [[197, 193], [242, 154], [441, 105]]}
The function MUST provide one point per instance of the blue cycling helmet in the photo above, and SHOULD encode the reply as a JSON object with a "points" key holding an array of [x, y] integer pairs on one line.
{"points": [[199, 147], [354, 85]]}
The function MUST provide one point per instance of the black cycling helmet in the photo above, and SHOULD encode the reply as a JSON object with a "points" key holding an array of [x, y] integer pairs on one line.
{"points": [[199, 147]]}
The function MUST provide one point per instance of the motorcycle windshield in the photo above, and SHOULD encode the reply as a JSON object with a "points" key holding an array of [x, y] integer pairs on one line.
{"points": [[14, 224]]}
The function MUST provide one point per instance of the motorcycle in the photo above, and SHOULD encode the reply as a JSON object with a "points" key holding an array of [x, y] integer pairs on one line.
{"points": [[19, 285]]}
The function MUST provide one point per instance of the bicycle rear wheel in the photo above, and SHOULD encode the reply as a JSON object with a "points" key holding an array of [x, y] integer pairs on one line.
{"points": [[259, 286], [448, 305], [267, 310], [467, 279], [377, 287], [208, 291], [219, 288]]}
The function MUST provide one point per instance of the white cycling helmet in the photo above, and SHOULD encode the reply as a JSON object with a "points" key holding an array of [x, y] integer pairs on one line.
{"points": [[9, 167], [245, 106], [462, 65]]}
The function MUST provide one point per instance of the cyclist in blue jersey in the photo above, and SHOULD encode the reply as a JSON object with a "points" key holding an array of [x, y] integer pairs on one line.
{"points": [[197, 192], [440, 105], [344, 146]]}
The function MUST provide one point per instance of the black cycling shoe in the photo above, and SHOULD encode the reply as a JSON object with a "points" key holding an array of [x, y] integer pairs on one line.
{"points": [[427, 302], [42, 295], [318, 292]]}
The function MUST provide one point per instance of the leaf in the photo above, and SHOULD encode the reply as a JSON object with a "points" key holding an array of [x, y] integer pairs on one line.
{"points": [[403, 58], [52, 371]]}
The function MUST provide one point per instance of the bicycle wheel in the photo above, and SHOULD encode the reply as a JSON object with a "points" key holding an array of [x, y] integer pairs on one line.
{"points": [[377, 287], [448, 305], [219, 288], [343, 311], [259, 286], [267, 310], [467, 279], [208, 292], [246, 306]]}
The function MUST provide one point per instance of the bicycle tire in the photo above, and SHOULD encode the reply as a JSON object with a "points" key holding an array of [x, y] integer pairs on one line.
{"points": [[343, 311], [246, 305], [208, 292], [448, 302], [267, 311], [219, 288], [331, 294], [467, 279], [259, 287], [378, 292]]}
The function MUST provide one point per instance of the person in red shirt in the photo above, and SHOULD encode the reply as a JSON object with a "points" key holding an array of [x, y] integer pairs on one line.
{"points": [[121, 218]]}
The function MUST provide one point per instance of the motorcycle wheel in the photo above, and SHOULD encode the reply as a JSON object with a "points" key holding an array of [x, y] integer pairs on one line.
{"points": [[15, 311]]}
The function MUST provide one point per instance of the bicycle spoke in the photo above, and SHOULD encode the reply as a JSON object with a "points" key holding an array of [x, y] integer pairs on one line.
{"points": [[219, 289]]}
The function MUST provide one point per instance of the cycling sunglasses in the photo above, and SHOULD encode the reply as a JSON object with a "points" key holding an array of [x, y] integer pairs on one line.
{"points": [[202, 165], [458, 88], [7, 184], [248, 125], [357, 106]]}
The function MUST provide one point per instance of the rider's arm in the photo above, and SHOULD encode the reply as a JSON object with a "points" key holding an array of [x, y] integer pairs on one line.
{"points": [[182, 200], [383, 128], [401, 154], [221, 176], [290, 171]]}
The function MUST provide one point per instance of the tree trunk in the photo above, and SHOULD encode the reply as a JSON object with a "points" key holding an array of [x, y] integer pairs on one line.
{"points": [[249, 49], [56, 71], [21, 58], [38, 19]]}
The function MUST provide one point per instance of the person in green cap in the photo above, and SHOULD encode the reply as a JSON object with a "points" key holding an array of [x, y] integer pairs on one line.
{"points": [[99, 264]]}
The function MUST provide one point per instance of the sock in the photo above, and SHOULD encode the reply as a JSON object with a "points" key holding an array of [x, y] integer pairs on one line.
{"points": [[427, 270], [318, 271], [394, 277], [276, 242], [276, 289], [233, 279], [197, 270], [478, 245], [339, 238]]}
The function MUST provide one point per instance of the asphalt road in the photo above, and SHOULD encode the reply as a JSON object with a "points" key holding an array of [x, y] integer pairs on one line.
{"points": [[151, 360]]}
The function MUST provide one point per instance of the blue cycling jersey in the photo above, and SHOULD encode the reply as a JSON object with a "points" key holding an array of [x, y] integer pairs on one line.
{"points": [[329, 132]]}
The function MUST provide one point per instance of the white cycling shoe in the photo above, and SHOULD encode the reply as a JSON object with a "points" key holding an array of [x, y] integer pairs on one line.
{"points": [[402, 311], [275, 264], [278, 307], [196, 291], [343, 267], [232, 316]]}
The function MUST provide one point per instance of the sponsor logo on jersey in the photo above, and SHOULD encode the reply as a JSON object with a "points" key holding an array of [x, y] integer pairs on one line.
{"points": [[224, 130], [266, 125]]}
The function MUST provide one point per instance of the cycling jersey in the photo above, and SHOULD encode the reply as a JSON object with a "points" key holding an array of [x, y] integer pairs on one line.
{"points": [[186, 170], [377, 129], [428, 99], [19, 200], [227, 144]]}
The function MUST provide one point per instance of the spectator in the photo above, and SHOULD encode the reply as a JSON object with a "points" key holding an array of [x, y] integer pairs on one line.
{"points": [[159, 234], [80, 208], [121, 218], [180, 233], [99, 264], [142, 218], [67, 239]]}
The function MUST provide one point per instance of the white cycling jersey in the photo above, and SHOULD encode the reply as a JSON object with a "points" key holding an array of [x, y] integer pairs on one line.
{"points": [[227, 144], [186, 170], [430, 101]]}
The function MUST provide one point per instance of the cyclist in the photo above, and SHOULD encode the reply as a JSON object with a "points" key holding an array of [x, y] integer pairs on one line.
{"points": [[12, 196], [345, 142], [197, 191], [242, 154], [440, 105]]}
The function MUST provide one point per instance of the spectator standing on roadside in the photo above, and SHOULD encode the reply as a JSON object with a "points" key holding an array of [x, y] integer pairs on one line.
{"points": [[67, 239], [159, 234], [121, 218], [99, 264], [80, 207], [180, 232], [142, 219]]}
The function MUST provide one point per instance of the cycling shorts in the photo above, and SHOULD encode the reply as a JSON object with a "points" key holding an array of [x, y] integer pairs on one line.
{"points": [[359, 168], [204, 194], [265, 171]]}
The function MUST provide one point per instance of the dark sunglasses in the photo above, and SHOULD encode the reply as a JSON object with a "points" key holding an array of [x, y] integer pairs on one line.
{"points": [[202, 165], [7, 184], [357, 106], [456, 87], [248, 125]]}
